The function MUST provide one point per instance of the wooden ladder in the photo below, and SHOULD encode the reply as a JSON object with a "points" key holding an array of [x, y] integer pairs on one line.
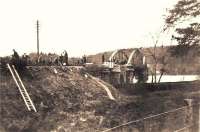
{"points": [[27, 100]]}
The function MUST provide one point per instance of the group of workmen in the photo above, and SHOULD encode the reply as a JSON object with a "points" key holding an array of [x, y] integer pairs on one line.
{"points": [[50, 59], [41, 60]]}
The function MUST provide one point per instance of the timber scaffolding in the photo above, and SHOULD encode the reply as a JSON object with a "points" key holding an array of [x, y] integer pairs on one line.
{"points": [[27, 100]]}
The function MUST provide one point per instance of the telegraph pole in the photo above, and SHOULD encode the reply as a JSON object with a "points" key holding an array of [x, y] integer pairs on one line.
{"points": [[38, 48]]}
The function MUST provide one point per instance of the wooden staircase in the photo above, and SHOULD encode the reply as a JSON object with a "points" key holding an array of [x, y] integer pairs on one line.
{"points": [[27, 100]]}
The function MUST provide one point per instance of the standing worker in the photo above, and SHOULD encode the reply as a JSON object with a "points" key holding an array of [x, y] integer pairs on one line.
{"points": [[65, 58], [17, 61], [103, 58], [84, 59], [15, 54], [15, 58]]}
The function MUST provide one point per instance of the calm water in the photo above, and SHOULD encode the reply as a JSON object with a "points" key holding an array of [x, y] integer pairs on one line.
{"points": [[176, 78]]}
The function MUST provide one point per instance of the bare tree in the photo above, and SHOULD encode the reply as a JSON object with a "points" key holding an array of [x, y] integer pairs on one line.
{"points": [[158, 58], [164, 61]]}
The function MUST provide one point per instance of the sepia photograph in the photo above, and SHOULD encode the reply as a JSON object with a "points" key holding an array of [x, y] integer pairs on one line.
{"points": [[99, 65]]}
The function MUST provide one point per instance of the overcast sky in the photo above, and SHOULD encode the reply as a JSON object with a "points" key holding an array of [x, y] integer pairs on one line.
{"points": [[79, 26]]}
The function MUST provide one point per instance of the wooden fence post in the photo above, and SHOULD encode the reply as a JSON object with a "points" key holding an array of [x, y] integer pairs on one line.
{"points": [[189, 114], [196, 117]]}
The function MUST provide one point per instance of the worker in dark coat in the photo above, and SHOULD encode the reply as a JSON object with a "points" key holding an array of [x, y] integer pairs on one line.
{"points": [[15, 55], [15, 58], [17, 61], [103, 58], [65, 57]]}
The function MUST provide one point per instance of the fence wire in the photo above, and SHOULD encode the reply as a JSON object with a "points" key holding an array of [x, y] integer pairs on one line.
{"points": [[176, 120]]}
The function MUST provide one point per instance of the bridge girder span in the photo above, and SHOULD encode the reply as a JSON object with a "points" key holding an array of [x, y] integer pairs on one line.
{"points": [[130, 58]]}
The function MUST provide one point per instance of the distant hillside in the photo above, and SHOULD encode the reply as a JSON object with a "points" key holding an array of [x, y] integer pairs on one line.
{"points": [[176, 61]]}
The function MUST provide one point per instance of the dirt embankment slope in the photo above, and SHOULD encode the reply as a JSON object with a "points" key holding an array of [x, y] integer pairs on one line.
{"points": [[69, 97], [72, 101]]}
